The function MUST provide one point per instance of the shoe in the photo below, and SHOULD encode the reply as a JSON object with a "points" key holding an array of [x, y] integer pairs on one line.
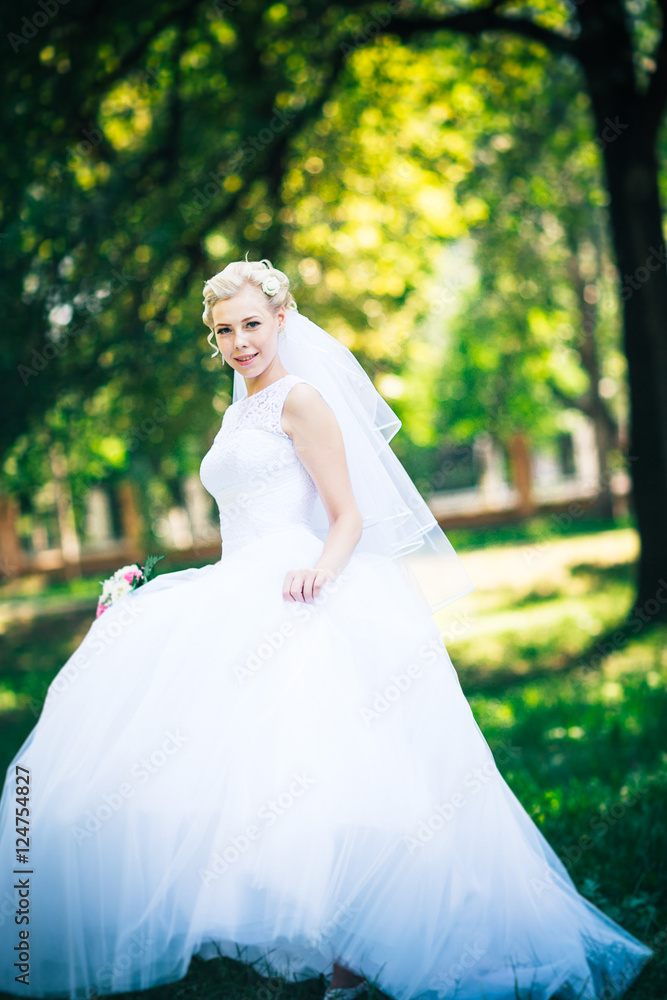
{"points": [[345, 992]]}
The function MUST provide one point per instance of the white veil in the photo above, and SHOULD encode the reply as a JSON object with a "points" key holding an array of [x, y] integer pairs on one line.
{"points": [[396, 519]]}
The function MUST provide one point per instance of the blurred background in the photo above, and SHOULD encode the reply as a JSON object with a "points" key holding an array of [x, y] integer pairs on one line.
{"points": [[471, 198]]}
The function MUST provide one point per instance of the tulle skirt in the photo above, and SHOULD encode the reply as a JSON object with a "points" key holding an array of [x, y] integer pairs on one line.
{"points": [[219, 771]]}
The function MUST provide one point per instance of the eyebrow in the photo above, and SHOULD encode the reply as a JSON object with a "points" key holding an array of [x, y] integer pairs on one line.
{"points": [[243, 321]]}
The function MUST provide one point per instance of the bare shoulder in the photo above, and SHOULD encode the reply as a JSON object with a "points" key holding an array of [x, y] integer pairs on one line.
{"points": [[304, 407]]}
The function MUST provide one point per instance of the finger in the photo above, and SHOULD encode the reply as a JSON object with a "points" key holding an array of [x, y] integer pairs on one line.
{"points": [[296, 588], [309, 589], [287, 586]]}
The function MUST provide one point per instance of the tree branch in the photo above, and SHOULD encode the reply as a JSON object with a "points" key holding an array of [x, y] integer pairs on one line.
{"points": [[270, 167], [474, 22], [135, 52], [570, 402], [585, 404]]}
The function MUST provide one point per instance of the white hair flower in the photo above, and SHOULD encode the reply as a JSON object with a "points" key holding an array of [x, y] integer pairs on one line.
{"points": [[271, 285]]}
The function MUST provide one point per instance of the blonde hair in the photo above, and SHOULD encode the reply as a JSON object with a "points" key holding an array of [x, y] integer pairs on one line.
{"points": [[234, 278]]}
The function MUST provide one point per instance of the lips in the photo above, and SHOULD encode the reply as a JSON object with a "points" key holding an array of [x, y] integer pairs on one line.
{"points": [[246, 359]]}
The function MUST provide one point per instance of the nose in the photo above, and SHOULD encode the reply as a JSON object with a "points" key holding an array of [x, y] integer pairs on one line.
{"points": [[240, 339]]}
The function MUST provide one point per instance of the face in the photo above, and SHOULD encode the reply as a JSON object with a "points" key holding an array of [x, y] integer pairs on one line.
{"points": [[245, 328]]}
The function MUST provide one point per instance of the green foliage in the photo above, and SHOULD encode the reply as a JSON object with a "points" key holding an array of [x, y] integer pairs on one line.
{"points": [[515, 347], [140, 161], [150, 564]]}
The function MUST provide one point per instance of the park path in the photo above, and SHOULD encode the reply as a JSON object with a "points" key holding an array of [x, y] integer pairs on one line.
{"points": [[495, 567]]}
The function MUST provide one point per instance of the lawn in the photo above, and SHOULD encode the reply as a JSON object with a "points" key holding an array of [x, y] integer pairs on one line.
{"points": [[568, 690]]}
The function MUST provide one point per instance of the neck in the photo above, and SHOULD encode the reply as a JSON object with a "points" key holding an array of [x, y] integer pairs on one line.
{"points": [[270, 374]]}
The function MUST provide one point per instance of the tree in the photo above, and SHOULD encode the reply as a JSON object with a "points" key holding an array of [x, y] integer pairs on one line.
{"points": [[628, 93], [546, 277], [127, 141], [190, 119]]}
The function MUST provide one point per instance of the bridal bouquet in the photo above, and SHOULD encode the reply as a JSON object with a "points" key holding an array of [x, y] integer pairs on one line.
{"points": [[125, 580]]}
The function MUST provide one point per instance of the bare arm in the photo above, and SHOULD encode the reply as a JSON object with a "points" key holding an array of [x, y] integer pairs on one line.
{"points": [[318, 443]]}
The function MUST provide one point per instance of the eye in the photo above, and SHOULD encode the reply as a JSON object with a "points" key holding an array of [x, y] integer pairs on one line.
{"points": [[253, 322]]}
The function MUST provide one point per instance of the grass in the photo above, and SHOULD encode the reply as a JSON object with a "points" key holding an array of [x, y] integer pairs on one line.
{"points": [[582, 733]]}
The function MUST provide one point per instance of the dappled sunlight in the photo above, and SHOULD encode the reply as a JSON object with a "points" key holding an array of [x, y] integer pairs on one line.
{"points": [[544, 618]]}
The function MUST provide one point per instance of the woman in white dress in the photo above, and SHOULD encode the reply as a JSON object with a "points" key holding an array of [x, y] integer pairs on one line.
{"points": [[271, 757]]}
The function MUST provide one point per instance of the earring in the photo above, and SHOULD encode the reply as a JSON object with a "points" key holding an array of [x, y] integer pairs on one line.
{"points": [[222, 358]]}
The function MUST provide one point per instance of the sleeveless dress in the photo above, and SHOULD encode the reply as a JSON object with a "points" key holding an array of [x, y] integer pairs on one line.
{"points": [[217, 771]]}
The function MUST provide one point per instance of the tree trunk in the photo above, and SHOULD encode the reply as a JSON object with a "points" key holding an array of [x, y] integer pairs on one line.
{"points": [[131, 519], [604, 505], [12, 557], [69, 540], [592, 404], [627, 123], [636, 215], [522, 476]]}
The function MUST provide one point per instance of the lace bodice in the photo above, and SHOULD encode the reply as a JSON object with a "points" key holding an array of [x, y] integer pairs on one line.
{"points": [[253, 472]]}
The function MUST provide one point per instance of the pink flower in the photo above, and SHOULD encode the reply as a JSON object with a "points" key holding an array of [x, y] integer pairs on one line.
{"points": [[132, 574], [101, 608]]}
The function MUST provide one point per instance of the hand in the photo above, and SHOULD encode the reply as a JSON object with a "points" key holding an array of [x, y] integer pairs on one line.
{"points": [[305, 584]]}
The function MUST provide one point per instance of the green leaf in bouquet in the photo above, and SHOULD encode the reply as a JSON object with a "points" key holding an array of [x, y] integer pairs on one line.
{"points": [[150, 564]]}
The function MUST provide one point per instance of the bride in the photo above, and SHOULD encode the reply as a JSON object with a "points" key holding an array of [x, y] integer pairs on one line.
{"points": [[271, 758]]}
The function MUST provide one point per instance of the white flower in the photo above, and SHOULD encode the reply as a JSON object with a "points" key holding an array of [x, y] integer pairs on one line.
{"points": [[271, 285], [121, 588], [117, 586]]}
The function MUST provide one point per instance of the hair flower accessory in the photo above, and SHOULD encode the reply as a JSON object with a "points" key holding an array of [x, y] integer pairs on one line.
{"points": [[271, 285]]}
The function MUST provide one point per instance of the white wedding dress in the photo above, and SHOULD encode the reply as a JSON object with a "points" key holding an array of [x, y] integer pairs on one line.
{"points": [[219, 771]]}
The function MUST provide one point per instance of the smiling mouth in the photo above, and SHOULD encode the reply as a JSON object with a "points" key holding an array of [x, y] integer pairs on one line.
{"points": [[247, 357]]}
